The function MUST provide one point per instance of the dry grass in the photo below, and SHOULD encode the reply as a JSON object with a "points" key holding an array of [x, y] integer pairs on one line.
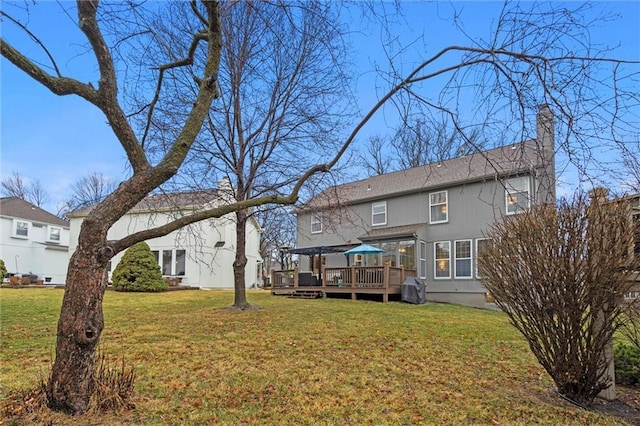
{"points": [[314, 362]]}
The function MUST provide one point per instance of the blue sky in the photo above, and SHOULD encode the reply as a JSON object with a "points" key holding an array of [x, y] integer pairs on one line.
{"points": [[57, 140]]}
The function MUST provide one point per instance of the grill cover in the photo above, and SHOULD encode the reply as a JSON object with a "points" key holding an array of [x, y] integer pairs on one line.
{"points": [[414, 290]]}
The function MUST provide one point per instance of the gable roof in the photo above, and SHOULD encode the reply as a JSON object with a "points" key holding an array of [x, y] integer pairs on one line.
{"points": [[20, 209], [504, 161]]}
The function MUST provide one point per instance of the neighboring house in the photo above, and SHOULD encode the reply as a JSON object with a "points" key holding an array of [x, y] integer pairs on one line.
{"points": [[635, 212], [34, 241], [433, 218], [198, 255]]}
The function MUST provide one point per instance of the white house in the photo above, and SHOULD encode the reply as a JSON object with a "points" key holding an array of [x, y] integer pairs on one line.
{"points": [[198, 255], [33, 241]]}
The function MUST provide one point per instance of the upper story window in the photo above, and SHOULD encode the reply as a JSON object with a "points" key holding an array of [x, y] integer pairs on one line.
{"points": [[20, 228], [438, 207], [316, 223], [379, 213], [517, 194], [53, 234]]}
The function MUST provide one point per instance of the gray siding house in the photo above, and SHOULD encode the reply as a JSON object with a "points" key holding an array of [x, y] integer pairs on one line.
{"points": [[432, 218]]}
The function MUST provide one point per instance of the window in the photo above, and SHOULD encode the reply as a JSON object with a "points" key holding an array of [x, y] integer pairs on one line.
{"points": [[54, 233], [166, 262], [423, 260], [379, 213], [407, 254], [481, 244], [517, 195], [20, 229], [316, 223], [636, 234], [442, 259], [390, 254], [180, 262], [462, 255], [438, 209], [172, 262]]}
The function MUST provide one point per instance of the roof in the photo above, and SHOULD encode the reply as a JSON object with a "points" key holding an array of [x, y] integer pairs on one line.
{"points": [[20, 209], [392, 232], [165, 201], [317, 251], [499, 162]]}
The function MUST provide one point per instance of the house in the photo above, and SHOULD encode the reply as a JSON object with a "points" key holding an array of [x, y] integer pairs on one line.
{"points": [[432, 219], [33, 241], [198, 255], [634, 201]]}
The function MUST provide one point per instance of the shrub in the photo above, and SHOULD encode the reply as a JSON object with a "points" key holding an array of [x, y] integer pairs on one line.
{"points": [[627, 362], [138, 271], [3, 270], [557, 272]]}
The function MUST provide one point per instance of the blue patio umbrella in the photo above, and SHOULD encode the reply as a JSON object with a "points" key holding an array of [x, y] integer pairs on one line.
{"points": [[362, 249]]}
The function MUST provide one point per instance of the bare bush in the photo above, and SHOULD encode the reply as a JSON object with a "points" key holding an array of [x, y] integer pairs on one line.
{"points": [[559, 273]]}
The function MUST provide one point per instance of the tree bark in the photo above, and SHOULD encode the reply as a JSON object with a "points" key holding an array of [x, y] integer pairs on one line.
{"points": [[79, 329], [240, 263]]}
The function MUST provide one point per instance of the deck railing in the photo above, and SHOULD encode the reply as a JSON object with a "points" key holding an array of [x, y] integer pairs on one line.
{"points": [[283, 279], [366, 276], [348, 277]]}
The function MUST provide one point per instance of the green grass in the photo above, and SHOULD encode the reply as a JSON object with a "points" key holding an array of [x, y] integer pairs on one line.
{"points": [[297, 362]]}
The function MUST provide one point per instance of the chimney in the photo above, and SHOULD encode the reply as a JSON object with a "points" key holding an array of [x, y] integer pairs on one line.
{"points": [[546, 190], [225, 188]]}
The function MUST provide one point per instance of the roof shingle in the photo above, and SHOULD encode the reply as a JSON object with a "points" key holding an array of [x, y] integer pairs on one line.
{"points": [[20, 209], [498, 162]]}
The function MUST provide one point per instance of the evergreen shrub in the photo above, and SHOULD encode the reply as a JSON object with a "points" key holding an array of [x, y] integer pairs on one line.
{"points": [[138, 270], [3, 270], [627, 363]]}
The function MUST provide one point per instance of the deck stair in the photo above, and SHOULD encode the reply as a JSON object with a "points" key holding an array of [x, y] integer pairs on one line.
{"points": [[306, 294]]}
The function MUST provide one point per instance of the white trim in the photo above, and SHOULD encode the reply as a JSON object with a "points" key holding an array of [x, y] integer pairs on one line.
{"points": [[317, 221], [50, 228], [374, 213], [435, 260], [422, 263], [470, 259], [516, 185], [14, 229], [446, 207]]}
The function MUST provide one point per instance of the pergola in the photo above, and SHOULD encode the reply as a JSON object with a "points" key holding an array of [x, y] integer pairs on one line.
{"points": [[312, 252]]}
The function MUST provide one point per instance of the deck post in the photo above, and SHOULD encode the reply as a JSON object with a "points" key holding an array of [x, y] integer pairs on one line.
{"points": [[353, 276], [386, 278], [295, 276]]}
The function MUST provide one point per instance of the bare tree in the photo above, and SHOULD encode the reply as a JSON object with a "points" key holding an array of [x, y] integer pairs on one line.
{"points": [[33, 192], [533, 57], [376, 160], [558, 273], [422, 142], [279, 230], [284, 97], [89, 190]]}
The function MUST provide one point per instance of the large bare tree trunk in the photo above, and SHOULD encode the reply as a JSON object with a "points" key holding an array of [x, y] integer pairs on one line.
{"points": [[79, 329], [240, 263]]}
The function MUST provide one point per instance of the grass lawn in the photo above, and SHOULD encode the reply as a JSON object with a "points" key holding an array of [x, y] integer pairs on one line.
{"points": [[295, 362]]}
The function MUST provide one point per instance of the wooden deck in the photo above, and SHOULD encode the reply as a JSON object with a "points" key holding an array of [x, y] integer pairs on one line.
{"points": [[354, 280]]}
